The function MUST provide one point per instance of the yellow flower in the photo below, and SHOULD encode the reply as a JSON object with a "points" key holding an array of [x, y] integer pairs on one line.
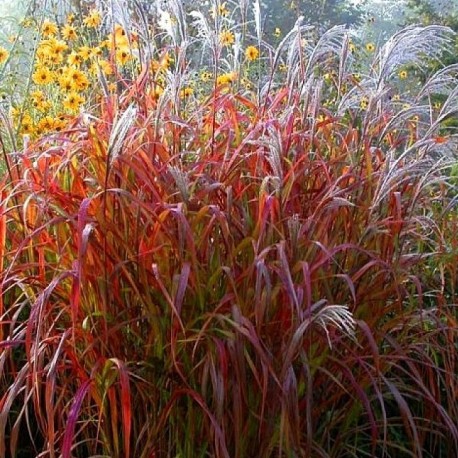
{"points": [[73, 101], [221, 10], [42, 75], [226, 38], [3, 54], [403, 74], [79, 79], [123, 56], [48, 28], [84, 52], [364, 102], [94, 19], [27, 23], [46, 124], [71, 18], [39, 102], [246, 84], [66, 84], [396, 98], [96, 52], [74, 58], [186, 92], [370, 47], [15, 114], [277, 32], [352, 47], [162, 64], [69, 32], [104, 65], [60, 123], [283, 67], [226, 78], [252, 53], [27, 127], [206, 76]]}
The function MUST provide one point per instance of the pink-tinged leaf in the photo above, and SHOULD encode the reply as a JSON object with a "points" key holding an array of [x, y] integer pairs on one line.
{"points": [[406, 415], [125, 403], [73, 418], [285, 275], [182, 285], [350, 284], [2, 252]]}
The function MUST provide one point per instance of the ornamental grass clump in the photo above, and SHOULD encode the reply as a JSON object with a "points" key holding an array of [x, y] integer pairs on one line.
{"points": [[236, 272]]}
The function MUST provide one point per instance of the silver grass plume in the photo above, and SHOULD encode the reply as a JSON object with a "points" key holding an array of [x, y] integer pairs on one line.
{"points": [[119, 132], [444, 81], [176, 6], [289, 38], [411, 46], [330, 43], [167, 25], [181, 180], [257, 20], [204, 31]]}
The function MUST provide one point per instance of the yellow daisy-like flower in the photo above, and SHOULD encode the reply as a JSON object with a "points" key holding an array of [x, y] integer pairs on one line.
{"points": [[403, 74], [45, 125], [206, 76], [277, 32], [60, 123], [283, 67], [69, 32], [364, 103], [15, 114], [78, 79], [226, 78], [96, 52], [27, 126], [93, 20], [71, 18], [75, 59], [186, 92], [370, 47], [123, 56], [252, 53], [3, 54], [73, 101], [226, 38], [104, 65], [42, 75], [48, 28], [396, 98], [37, 95], [221, 10], [246, 84], [66, 84], [84, 52], [26, 23]]}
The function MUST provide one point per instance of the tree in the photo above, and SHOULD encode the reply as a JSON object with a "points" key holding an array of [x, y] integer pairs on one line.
{"points": [[444, 12], [321, 13]]}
